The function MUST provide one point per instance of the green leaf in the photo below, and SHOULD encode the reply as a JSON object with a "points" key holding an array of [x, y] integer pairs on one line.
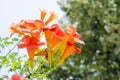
{"points": [[4, 61], [16, 64], [1, 79], [12, 55], [15, 39]]}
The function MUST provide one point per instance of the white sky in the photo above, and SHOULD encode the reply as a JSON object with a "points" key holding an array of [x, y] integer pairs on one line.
{"points": [[16, 10]]}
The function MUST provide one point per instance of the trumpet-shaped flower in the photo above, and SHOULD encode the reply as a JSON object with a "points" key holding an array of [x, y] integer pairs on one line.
{"points": [[52, 17], [43, 14], [53, 35], [32, 27], [15, 29], [32, 45], [61, 44], [72, 37], [31, 24]]}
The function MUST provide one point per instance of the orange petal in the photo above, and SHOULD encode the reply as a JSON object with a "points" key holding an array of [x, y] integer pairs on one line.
{"points": [[52, 17], [79, 41], [37, 35], [78, 51], [33, 41], [71, 39], [31, 26], [39, 24], [72, 31], [31, 52], [40, 43], [48, 36], [21, 45], [55, 41], [67, 52], [23, 24], [26, 40], [26, 31], [15, 29], [57, 30], [43, 14]]}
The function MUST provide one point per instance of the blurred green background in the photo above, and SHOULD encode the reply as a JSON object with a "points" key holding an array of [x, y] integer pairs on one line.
{"points": [[98, 22]]}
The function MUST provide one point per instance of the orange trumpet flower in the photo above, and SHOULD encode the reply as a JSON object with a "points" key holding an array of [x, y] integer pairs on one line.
{"points": [[73, 37], [52, 17], [43, 14], [31, 24], [33, 27], [53, 35], [28, 27], [32, 44], [15, 29]]}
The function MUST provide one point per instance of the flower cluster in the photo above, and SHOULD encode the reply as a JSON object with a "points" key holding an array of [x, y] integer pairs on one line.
{"points": [[60, 43]]}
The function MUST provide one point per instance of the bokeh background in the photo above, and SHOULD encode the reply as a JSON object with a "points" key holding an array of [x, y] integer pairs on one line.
{"points": [[98, 22]]}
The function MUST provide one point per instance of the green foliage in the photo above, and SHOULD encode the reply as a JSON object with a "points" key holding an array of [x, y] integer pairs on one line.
{"points": [[98, 22]]}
